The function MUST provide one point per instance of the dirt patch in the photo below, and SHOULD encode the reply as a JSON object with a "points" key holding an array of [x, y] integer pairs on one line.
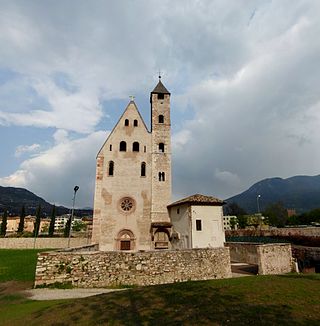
{"points": [[11, 287]]}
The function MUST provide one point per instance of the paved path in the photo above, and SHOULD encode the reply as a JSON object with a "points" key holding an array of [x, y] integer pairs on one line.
{"points": [[57, 294]]}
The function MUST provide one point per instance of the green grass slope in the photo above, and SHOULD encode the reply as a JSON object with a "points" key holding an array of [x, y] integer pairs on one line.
{"points": [[257, 300]]}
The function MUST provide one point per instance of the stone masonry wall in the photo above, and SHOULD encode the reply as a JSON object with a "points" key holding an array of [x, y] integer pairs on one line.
{"points": [[243, 252], [41, 243], [273, 258], [280, 232], [114, 268]]}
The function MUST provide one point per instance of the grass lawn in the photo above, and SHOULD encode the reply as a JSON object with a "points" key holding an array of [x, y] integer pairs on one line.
{"points": [[18, 265], [256, 300]]}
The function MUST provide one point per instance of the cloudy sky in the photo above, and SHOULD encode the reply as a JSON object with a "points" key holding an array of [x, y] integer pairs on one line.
{"points": [[244, 78]]}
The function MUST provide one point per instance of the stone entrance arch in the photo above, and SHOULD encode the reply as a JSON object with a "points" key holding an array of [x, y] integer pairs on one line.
{"points": [[125, 240]]}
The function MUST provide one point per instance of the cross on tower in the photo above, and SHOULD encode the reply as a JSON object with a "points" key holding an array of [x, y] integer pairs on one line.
{"points": [[159, 74]]}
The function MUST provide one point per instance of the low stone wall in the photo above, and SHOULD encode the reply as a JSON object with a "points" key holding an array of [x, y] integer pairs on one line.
{"points": [[306, 253], [276, 232], [271, 258], [243, 252], [41, 243], [114, 268], [274, 258]]}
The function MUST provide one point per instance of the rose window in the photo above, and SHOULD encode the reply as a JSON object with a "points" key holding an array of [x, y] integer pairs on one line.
{"points": [[127, 204]]}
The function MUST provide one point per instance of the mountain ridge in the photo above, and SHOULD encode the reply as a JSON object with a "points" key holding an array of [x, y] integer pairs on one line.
{"points": [[12, 199], [300, 192]]}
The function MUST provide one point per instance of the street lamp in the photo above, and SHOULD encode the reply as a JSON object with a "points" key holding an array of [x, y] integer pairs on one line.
{"points": [[75, 189], [258, 204]]}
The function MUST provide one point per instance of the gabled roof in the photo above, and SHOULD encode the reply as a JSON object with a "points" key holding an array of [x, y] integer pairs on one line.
{"points": [[199, 199], [160, 89], [116, 125]]}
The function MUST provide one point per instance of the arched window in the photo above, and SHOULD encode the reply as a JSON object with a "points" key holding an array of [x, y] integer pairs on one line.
{"points": [[126, 122], [123, 146], [161, 118], [110, 148], [135, 123], [161, 176], [143, 169], [160, 96], [161, 147], [111, 168], [135, 147]]}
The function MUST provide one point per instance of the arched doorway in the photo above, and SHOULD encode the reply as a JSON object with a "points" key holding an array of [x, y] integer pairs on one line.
{"points": [[125, 240], [161, 239]]}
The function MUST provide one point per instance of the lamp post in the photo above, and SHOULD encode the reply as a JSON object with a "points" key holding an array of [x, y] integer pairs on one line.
{"points": [[258, 204], [75, 189]]}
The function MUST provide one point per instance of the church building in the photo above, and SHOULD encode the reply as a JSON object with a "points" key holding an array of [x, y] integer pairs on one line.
{"points": [[133, 182]]}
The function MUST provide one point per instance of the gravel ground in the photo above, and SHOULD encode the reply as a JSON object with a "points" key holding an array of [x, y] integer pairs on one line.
{"points": [[57, 294]]}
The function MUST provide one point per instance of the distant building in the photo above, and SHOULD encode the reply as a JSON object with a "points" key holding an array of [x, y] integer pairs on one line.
{"points": [[227, 222], [61, 221], [13, 224], [291, 212]]}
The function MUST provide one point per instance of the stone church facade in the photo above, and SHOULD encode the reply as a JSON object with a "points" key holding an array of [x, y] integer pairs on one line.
{"points": [[133, 180]]}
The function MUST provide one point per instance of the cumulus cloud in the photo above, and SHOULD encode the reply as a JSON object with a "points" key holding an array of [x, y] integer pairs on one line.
{"points": [[26, 149], [52, 174]]}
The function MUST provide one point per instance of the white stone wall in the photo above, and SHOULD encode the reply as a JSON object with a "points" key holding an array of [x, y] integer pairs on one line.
{"points": [[212, 233], [184, 222], [181, 221], [109, 218]]}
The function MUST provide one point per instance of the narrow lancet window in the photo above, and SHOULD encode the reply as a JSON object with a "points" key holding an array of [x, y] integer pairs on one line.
{"points": [[143, 169], [135, 147], [123, 146], [135, 123], [161, 118], [126, 122], [161, 176], [161, 147], [111, 168]]}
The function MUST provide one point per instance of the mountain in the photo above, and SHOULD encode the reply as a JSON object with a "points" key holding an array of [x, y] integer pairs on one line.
{"points": [[12, 199], [301, 193]]}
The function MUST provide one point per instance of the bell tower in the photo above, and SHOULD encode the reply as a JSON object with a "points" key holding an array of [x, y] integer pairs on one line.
{"points": [[161, 156]]}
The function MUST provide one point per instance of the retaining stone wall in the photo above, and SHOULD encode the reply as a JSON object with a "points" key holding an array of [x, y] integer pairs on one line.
{"points": [[280, 232], [273, 258], [306, 253], [114, 268], [41, 243]]}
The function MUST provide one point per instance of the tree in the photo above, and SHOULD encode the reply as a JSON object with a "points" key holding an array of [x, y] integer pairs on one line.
{"points": [[37, 222], [233, 222], [67, 228], [21, 222], [276, 214], [3, 229], [242, 221], [234, 209], [52, 221], [78, 226]]}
